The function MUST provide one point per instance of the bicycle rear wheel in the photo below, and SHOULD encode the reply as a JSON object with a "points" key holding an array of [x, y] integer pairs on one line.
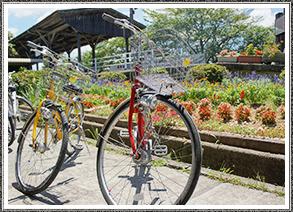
{"points": [[38, 165], [169, 165]]}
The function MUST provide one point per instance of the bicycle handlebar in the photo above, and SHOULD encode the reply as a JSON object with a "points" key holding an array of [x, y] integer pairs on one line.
{"points": [[33, 45], [108, 18], [42, 50], [120, 22]]}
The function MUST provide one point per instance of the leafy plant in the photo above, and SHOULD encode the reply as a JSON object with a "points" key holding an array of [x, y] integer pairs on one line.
{"points": [[225, 111], [252, 51], [204, 109], [268, 117], [158, 71], [281, 111], [272, 53], [259, 111], [242, 113], [112, 76], [282, 75], [189, 106], [212, 72]]}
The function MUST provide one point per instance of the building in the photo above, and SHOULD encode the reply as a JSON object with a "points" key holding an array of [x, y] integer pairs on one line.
{"points": [[280, 29]]}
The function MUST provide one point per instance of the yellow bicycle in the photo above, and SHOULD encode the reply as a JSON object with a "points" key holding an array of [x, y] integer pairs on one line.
{"points": [[43, 140]]}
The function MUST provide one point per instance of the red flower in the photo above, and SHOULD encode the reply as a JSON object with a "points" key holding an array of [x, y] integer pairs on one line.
{"points": [[156, 118], [258, 52], [242, 94]]}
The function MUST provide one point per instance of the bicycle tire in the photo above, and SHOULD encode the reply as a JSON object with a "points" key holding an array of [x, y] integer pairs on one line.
{"points": [[195, 146], [12, 133], [25, 187], [71, 147]]}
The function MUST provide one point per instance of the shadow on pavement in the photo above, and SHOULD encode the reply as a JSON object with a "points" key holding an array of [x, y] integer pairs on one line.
{"points": [[46, 196], [70, 161], [9, 150]]}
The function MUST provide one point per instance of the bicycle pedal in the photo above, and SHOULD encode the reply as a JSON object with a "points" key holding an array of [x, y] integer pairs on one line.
{"points": [[161, 150], [124, 133]]}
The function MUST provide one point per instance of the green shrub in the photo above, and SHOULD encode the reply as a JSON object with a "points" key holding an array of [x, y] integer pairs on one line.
{"points": [[212, 72], [158, 71], [282, 75], [113, 76], [28, 79], [272, 53]]}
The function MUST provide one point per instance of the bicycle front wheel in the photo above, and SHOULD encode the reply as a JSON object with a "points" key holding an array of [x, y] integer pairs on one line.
{"points": [[25, 110], [38, 162], [169, 165], [75, 119], [11, 131]]}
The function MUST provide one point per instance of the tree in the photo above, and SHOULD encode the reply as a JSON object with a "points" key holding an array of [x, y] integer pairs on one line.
{"points": [[11, 48], [109, 47], [209, 30], [258, 36]]}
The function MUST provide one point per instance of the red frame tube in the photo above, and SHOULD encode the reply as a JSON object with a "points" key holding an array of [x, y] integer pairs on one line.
{"points": [[132, 110]]}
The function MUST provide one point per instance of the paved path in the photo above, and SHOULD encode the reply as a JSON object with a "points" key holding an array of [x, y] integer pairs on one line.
{"points": [[77, 184]]}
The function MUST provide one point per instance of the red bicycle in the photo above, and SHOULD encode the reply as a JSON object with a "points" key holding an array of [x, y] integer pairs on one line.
{"points": [[149, 150]]}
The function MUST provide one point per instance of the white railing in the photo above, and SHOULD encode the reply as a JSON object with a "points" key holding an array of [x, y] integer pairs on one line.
{"points": [[150, 58]]}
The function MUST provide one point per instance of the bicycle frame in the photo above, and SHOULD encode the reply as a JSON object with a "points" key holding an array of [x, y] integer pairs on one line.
{"points": [[57, 119], [76, 110]]}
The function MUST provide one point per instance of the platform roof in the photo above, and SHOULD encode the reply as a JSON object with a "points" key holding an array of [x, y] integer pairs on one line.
{"points": [[65, 30]]}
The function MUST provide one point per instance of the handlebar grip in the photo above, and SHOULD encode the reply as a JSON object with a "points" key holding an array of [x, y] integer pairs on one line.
{"points": [[32, 45], [108, 18]]}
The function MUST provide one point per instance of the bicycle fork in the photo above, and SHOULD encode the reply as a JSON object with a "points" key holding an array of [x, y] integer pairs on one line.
{"points": [[140, 121]]}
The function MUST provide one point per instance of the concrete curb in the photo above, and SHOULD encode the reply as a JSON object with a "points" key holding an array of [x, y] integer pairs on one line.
{"points": [[244, 162], [276, 146]]}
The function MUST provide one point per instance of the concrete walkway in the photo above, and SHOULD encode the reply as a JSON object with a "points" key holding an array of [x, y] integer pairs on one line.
{"points": [[77, 184]]}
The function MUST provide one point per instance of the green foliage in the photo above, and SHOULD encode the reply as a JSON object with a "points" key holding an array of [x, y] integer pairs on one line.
{"points": [[257, 92], [26, 79], [272, 53], [11, 47], [282, 75], [206, 30], [110, 90], [257, 35], [112, 76], [109, 47], [250, 50], [212, 72], [31, 84], [158, 71]]}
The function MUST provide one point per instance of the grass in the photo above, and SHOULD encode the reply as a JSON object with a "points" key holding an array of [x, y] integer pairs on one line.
{"points": [[246, 129], [257, 185]]}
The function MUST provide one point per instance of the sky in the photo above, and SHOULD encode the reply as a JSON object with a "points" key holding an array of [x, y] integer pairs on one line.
{"points": [[21, 19]]}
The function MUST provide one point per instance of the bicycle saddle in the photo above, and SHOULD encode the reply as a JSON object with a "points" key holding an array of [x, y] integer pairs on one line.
{"points": [[72, 89]]}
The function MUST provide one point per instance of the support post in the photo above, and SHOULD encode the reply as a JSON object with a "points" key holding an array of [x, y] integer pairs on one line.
{"points": [[78, 47], [68, 54], [93, 46]]}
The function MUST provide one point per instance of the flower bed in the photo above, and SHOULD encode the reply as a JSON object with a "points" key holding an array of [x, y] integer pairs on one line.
{"points": [[213, 105]]}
